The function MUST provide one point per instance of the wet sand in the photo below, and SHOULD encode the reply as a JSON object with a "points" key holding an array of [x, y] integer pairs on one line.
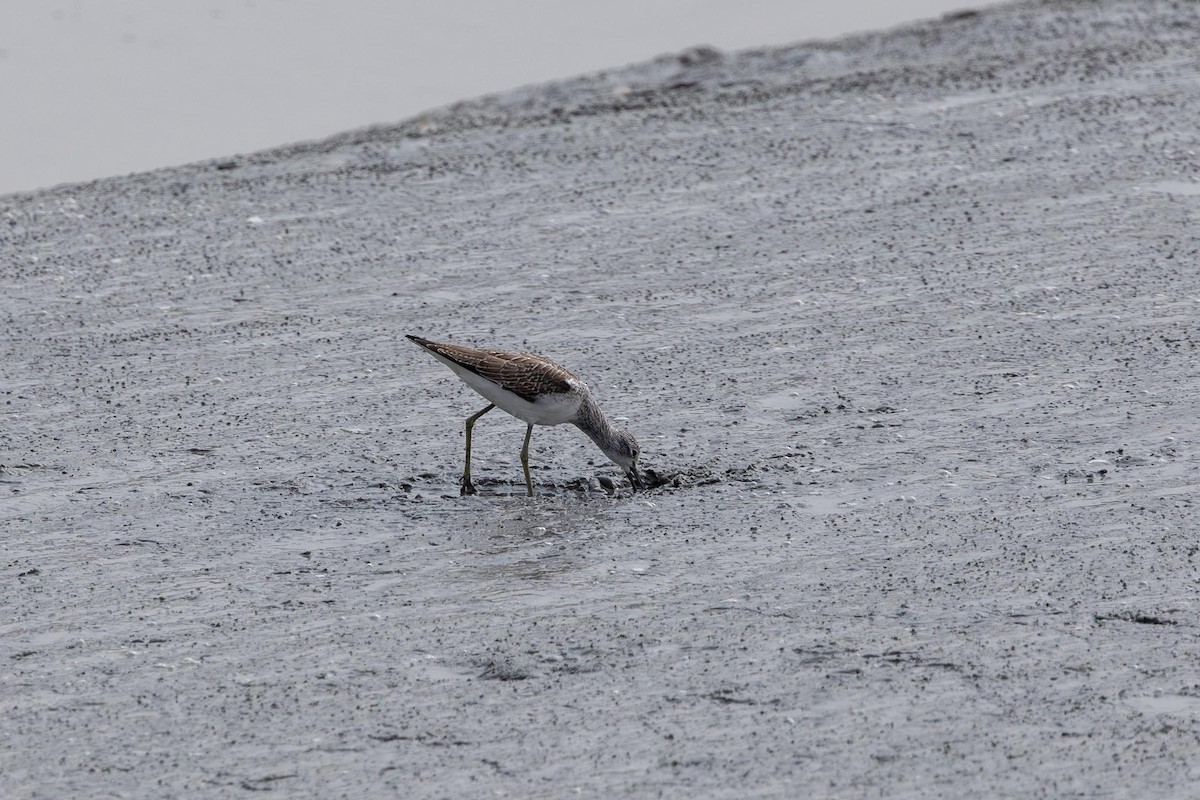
{"points": [[907, 319]]}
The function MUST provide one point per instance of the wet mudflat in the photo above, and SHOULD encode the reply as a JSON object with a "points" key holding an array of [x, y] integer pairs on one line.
{"points": [[907, 320]]}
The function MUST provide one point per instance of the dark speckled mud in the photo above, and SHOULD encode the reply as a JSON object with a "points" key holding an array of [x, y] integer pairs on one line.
{"points": [[905, 324]]}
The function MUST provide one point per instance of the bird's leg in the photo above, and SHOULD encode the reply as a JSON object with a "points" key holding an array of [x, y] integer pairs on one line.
{"points": [[525, 460], [467, 486]]}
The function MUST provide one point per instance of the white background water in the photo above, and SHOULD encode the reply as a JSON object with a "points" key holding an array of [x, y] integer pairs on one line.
{"points": [[91, 88]]}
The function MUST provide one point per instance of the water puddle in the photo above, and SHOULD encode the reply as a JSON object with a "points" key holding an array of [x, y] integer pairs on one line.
{"points": [[1185, 188], [1178, 705]]}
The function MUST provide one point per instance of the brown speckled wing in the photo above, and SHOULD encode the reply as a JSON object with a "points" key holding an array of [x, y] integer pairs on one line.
{"points": [[524, 374]]}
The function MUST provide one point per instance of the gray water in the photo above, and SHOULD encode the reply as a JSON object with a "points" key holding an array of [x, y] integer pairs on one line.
{"points": [[907, 320]]}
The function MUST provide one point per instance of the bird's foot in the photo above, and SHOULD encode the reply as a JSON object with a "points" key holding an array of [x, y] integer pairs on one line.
{"points": [[467, 488]]}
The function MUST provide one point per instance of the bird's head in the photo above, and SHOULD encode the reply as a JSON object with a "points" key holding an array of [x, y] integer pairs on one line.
{"points": [[624, 452]]}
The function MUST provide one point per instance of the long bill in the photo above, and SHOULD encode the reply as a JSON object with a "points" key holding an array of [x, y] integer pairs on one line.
{"points": [[635, 479]]}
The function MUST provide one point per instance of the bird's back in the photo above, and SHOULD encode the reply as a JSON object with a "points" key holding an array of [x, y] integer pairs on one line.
{"points": [[526, 375]]}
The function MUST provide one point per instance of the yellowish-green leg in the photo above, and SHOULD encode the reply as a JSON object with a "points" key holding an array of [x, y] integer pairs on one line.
{"points": [[467, 486], [525, 460]]}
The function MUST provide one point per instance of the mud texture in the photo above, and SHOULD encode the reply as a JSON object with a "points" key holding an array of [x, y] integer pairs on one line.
{"points": [[905, 324]]}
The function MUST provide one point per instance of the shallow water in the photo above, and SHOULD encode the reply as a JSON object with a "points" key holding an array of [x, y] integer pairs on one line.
{"points": [[918, 395]]}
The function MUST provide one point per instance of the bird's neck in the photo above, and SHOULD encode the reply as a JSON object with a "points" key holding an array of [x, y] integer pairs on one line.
{"points": [[591, 420]]}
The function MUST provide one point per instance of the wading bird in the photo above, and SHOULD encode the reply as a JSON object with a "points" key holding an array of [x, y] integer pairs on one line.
{"points": [[537, 391]]}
